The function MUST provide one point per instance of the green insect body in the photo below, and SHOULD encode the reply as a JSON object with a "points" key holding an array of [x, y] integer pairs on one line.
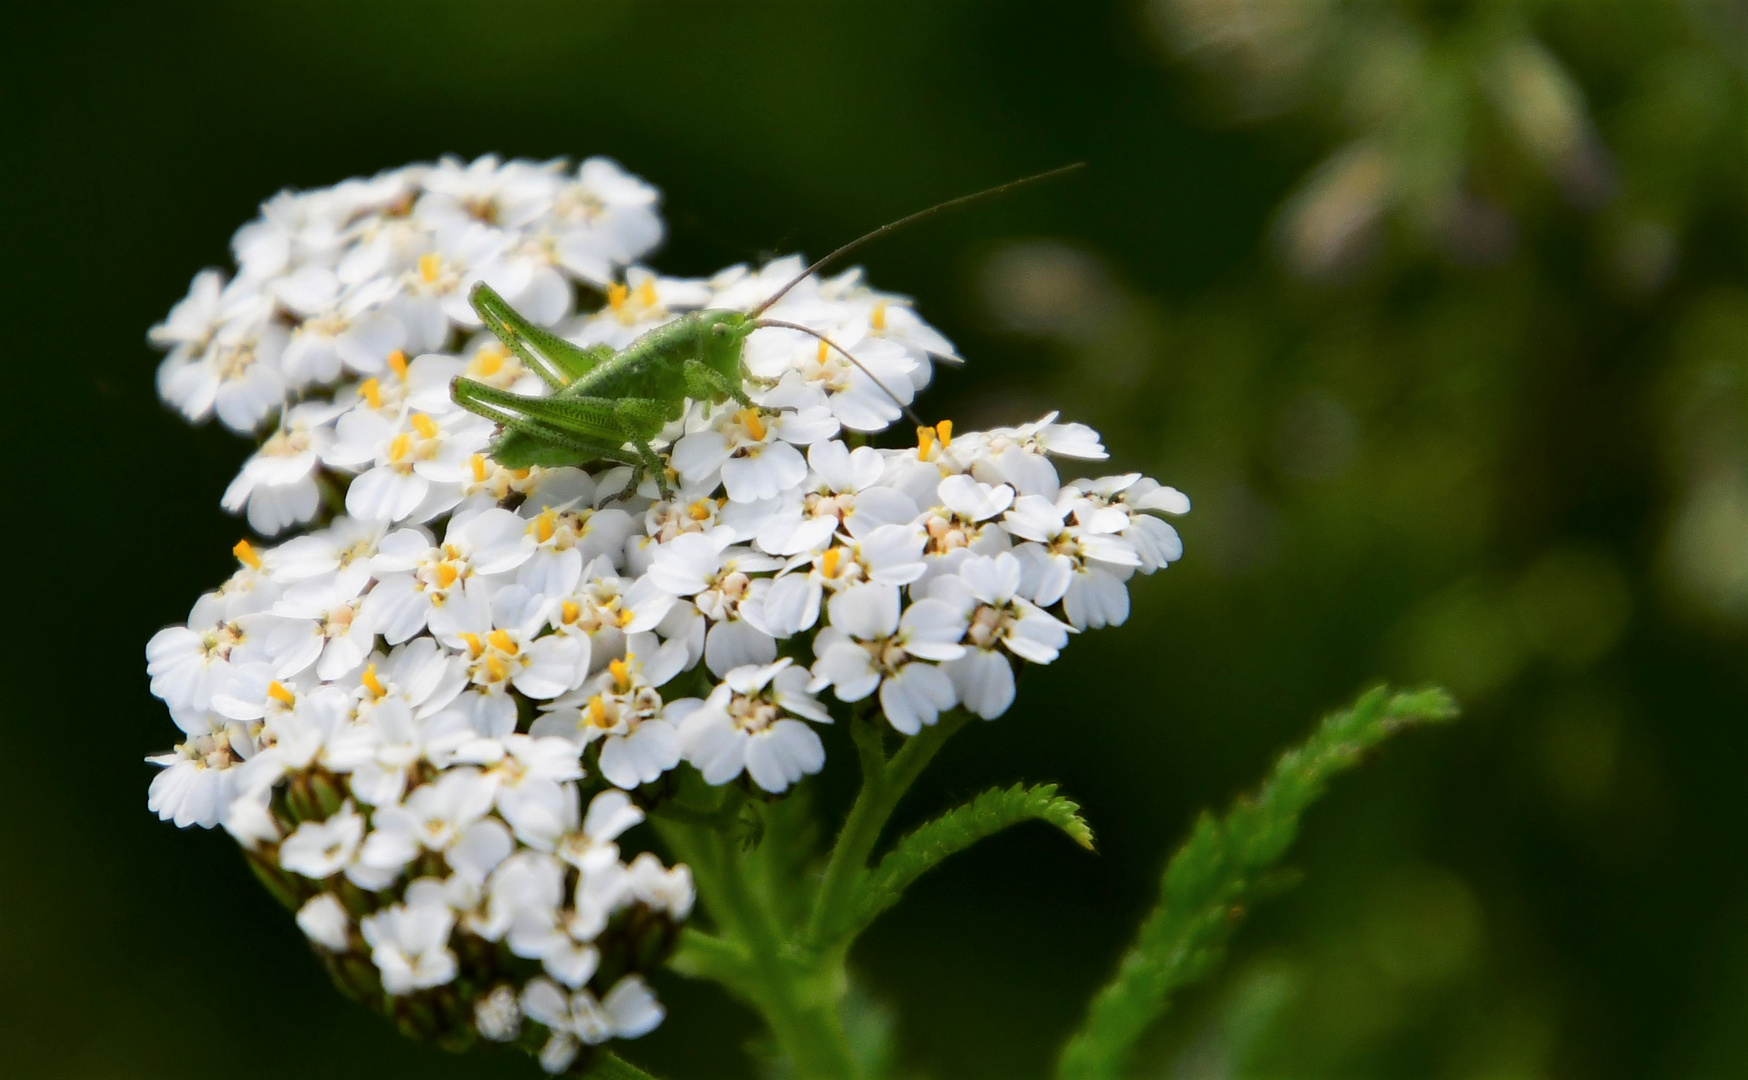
{"points": [[609, 406], [606, 405]]}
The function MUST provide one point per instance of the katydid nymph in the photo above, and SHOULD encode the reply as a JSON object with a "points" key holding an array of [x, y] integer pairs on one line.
{"points": [[609, 406]]}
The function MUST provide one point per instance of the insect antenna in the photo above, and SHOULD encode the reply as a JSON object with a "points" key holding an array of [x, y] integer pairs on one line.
{"points": [[896, 400], [906, 220]]}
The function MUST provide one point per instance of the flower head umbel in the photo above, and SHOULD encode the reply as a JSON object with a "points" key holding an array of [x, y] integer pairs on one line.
{"points": [[437, 712]]}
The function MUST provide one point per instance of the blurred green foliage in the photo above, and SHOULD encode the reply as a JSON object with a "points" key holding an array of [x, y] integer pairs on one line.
{"points": [[1438, 311]]}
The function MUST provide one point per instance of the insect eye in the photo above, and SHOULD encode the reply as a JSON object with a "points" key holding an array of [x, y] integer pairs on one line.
{"points": [[719, 330]]}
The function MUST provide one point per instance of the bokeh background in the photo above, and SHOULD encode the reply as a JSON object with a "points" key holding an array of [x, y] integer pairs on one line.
{"points": [[1437, 310]]}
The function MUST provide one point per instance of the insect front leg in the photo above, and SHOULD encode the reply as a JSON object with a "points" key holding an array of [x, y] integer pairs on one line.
{"points": [[705, 383], [646, 417]]}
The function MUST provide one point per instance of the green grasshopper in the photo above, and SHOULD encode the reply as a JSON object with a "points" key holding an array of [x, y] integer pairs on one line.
{"points": [[609, 406]]}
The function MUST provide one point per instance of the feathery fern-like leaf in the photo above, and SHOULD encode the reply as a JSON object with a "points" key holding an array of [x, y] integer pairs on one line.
{"points": [[1221, 870], [956, 830]]}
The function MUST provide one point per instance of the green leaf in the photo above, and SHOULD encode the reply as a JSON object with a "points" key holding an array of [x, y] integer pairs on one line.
{"points": [[956, 830], [1223, 869]]}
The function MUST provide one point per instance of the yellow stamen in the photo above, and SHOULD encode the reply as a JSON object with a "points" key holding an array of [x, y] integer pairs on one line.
{"points": [[646, 294], [597, 711], [277, 691], [625, 618], [616, 294], [749, 419], [823, 347], [945, 430], [500, 640], [925, 442], [828, 563], [397, 361], [371, 391], [621, 670], [371, 682], [521, 474], [570, 612], [876, 318], [424, 425], [489, 360], [245, 553], [430, 265], [545, 525], [478, 461], [446, 574], [699, 511], [398, 447], [496, 669], [474, 647]]}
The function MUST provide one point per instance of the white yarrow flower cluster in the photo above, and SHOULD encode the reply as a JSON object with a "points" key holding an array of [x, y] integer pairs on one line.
{"points": [[431, 713]]}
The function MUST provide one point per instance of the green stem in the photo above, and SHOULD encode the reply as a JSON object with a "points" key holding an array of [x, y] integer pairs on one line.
{"points": [[884, 782], [610, 1066], [797, 984], [798, 993]]}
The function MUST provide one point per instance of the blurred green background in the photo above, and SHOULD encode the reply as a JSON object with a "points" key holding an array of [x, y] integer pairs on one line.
{"points": [[1437, 310]]}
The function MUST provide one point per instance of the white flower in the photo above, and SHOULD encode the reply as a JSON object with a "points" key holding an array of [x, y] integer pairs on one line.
{"points": [[342, 325], [401, 705], [200, 778], [590, 848], [607, 218], [237, 376], [194, 320], [869, 645], [419, 583], [841, 493], [886, 558], [522, 900], [320, 849], [345, 548], [539, 667], [416, 468], [1118, 498], [986, 590], [325, 922], [628, 1011], [1017, 455], [717, 577], [753, 449], [531, 774], [916, 578], [745, 725], [409, 942], [278, 484], [1083, 564], [644, 300], [866, 394], [447, 816], [621, 707], [508, 195], [319, 622], [565, 532], [606, 608], [497, 1016], [433, 295], [188, 666], [661, 888]]}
